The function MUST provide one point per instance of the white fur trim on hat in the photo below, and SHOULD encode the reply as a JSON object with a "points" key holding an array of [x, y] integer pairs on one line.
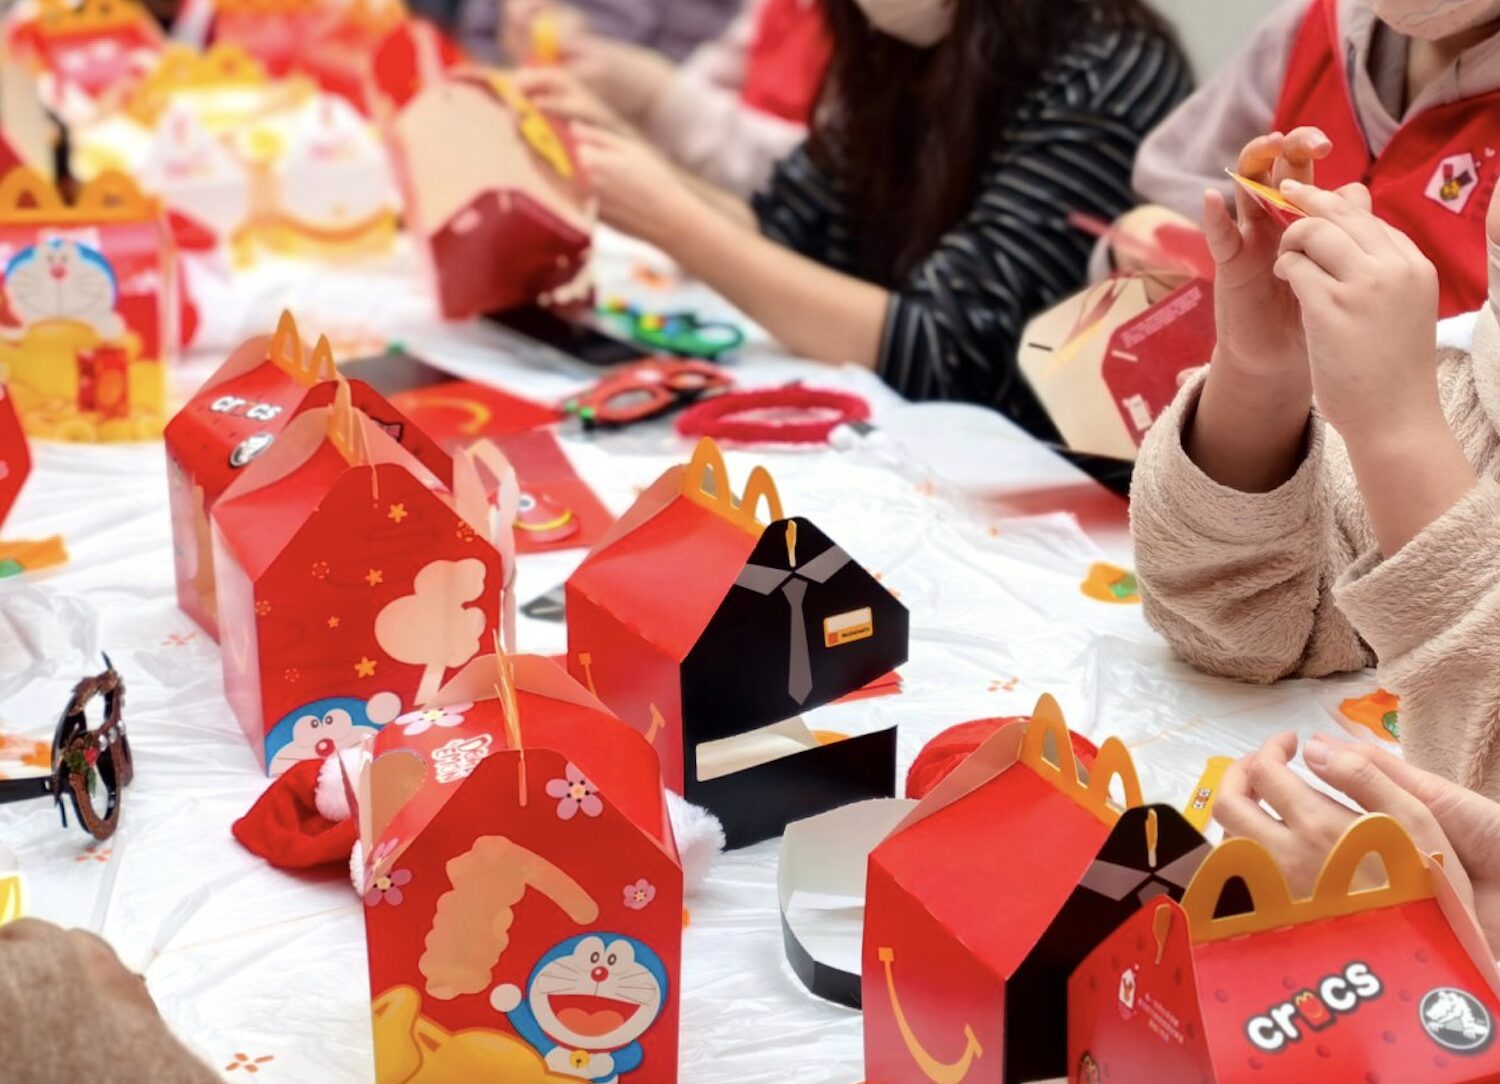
{"points": [[330, 797], [700, 839]]}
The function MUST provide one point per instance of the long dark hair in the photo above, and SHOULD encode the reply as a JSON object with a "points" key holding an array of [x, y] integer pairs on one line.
{"points": [[912, 129]]}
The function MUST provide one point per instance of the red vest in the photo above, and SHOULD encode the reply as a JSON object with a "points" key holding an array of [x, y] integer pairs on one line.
{"points": [[1435, 178], [788, 57]]}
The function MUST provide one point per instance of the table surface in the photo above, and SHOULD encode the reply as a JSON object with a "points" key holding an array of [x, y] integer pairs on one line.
{"points": [[984, 534]]}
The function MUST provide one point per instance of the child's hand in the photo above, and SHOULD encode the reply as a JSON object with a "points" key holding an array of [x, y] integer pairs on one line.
{"points": [[631, 78], [560, 94], [1369, 301], [1274, 158]]}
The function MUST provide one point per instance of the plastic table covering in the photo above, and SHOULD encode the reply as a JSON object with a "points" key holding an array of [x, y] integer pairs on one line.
{"points": [[985, 535]]}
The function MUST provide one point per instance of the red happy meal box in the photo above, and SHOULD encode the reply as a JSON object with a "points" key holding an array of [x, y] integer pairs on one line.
{"points": [[15, 457], [350, 577], [523, 901], [1108, 361], [985, 898], [92, 305], [711, 632], [508, 222], [235, 415], [1393, 983], [86, 55]]}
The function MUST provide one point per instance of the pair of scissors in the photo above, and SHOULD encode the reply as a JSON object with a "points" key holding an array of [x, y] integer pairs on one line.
{"points": [[680, 333], [643, 389]]}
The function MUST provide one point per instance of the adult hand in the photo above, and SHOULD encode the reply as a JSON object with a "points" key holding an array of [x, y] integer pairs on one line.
{"points": [[639, 192], [560, 94], [631, 78], [1442, 817], [1369, 302]]}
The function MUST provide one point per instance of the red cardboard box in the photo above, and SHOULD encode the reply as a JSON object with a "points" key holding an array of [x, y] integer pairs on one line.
{"points": [[15, 457], [1391, 983], [524, 900], [234, 417], [982, 902], [1108, 361], [86, 54], [350, 577], [92, 305], [505, 224], [711, 632]]}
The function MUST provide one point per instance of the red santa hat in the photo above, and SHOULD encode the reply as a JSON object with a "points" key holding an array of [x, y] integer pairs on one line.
{"points": [[303, 821]]}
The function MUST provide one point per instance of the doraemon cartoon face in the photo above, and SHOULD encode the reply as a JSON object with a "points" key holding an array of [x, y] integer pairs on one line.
{"points": [[317, 730], [63, 279], [587, 1004]]}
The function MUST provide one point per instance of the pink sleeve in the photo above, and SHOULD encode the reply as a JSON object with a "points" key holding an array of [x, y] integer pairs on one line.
{"points": [[1193, 147], [702, 124]]}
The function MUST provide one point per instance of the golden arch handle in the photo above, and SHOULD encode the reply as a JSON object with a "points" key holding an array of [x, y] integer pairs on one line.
{"points": [[936, 1071]]}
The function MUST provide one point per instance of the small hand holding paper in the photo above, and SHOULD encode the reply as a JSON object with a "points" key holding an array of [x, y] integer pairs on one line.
{"points": [[632, 78], [639, 192], [1443, 818], [561, 95], [1369, 302]]}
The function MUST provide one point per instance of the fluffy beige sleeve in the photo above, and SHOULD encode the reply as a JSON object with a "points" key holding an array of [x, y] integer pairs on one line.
{"points": [[1432, 614], [1240, 584]]}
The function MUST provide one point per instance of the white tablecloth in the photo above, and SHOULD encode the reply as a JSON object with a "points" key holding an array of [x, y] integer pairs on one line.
{"points": [[975, 526]]}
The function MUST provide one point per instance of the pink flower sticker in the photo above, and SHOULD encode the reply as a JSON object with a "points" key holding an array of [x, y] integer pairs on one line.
{"points": [[573, 794], [386, 888], [639, 895], [420, 722]]}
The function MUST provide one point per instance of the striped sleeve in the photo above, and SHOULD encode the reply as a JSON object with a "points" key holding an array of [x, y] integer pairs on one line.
{"points": [[953, 330], [801, 208]]}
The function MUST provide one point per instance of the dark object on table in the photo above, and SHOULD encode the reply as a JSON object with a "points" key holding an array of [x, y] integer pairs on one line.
{"points": [[91, 761], [394, 371], [575, 337], [645, 389], [549, 607]]}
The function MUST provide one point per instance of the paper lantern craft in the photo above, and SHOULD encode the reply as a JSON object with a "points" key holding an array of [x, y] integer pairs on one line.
{"points": [[508, 222], [197, 175], [1108, 361], [523, 897], [235, 416], [350, 577], [712, 633], [92, 308], [85, 55], [15, 457], [1392, 982], [983, 900]]}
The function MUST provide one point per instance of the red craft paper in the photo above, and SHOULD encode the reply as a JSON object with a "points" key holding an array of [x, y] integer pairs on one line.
{"points": [[15, 457]]}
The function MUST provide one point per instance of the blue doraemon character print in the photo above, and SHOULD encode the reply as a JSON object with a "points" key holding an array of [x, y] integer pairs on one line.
{"points": [[587, 1004], [317, 730], [63, 279]]}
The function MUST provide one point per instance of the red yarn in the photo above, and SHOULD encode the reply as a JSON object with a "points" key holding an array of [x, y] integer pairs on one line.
{"points": [[952, 747], [789, 415]]}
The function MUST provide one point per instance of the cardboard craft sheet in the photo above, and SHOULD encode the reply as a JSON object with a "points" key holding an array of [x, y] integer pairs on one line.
{"points": [[350, 578], [92, 307], [979, 901], [507, 223], [15, 456], [1385, 983], [28, 135], [1108, 361], [235, 416], [523, 894], [713, 633]]}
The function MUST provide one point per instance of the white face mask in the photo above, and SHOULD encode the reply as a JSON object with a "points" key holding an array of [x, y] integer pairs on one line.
{"points": [[922, 23], [1433, 20]]}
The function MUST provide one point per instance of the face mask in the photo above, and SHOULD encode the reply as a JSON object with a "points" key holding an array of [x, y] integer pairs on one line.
{"points": [[1433, 20], [1494, 250], [922, 23]]}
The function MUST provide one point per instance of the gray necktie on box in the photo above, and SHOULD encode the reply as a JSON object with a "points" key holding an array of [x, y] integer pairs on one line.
{"points": [[793, 585]]}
